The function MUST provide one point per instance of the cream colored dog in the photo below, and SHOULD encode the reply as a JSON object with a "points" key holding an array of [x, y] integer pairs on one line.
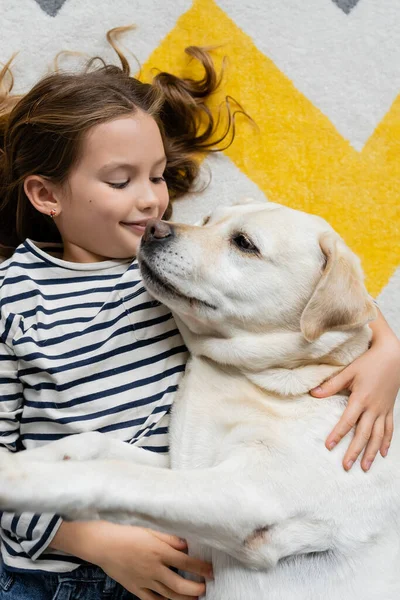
{"points": [[271, 302]]}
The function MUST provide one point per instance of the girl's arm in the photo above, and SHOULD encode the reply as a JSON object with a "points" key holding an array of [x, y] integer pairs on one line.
{"points": [[139, 559], [374, 381], [33, 532]]}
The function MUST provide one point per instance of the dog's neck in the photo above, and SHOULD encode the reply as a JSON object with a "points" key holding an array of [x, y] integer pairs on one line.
{"points": [[282, 362], [292, 382]]}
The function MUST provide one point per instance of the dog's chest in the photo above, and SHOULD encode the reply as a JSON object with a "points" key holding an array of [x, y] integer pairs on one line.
{"points": [[215, 414], [207, 410], [194, 436]]}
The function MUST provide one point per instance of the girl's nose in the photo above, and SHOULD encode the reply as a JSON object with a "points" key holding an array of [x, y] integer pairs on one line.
{"points": [[147, 198]]}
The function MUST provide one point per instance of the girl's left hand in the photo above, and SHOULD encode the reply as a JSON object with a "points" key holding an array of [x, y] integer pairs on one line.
{"points": [[374, 381]]}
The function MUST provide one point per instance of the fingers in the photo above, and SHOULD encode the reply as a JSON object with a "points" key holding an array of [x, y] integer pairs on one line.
{"points": [[361, 439], [335, 384], [387, 438], [189, 564], [178, 584], [347, 421], [180, 588], [373, 433], [171, 540], [375, 442]]}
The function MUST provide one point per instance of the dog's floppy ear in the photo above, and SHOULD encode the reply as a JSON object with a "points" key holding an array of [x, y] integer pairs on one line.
{"points": [[340, 300]]}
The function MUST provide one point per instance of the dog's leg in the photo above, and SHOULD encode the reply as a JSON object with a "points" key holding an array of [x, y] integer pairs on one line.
{"points": [[92, 446], [218, 507]]}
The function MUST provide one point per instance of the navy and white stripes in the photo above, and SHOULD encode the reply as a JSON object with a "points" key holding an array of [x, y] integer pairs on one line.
{"points": [[83, 348]]}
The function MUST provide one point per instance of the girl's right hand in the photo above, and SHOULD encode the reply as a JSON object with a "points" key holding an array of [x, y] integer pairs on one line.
{"points": [[139, 559]]}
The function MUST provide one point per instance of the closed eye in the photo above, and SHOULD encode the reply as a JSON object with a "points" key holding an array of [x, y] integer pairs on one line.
{"points": [[243, 243], [118, 185], [157, 180]]}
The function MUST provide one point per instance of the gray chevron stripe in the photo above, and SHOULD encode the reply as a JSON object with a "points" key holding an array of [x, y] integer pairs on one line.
{"points": [[51, 7], [346, 5]]}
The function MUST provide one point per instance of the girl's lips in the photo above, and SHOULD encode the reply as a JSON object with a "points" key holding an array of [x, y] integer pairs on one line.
{"points": [[139, 227]]}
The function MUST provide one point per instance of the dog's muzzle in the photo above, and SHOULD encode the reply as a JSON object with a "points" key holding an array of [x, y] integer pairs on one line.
{"points": [[154, 251]]}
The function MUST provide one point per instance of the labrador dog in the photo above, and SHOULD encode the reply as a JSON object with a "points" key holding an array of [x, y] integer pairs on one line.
{"points": [[271, 302]]}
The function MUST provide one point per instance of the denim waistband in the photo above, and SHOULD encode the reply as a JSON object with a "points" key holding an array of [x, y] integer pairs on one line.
{"points": [[84, 573]]}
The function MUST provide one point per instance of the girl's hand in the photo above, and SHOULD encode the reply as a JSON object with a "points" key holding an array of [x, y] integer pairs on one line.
{"points": [[139, 559], [373, 380]]}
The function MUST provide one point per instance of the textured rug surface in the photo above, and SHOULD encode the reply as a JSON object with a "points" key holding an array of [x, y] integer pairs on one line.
{"points": [[320, 78]]}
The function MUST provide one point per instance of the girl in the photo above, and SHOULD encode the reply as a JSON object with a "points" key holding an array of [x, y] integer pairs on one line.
{"points": [[86, 160]]}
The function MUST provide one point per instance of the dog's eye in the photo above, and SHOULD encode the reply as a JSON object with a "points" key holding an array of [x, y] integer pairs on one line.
{"points": [[244, 244]]}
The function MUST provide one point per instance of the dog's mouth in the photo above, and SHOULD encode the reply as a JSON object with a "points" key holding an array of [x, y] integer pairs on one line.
{"points": [[155, 281]]}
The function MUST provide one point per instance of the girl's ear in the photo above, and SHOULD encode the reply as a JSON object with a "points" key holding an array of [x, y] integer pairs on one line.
{"points": [[41, 195]]}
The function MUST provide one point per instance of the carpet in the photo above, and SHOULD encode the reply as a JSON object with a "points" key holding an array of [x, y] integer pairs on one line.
{"points": [[320, 79]]}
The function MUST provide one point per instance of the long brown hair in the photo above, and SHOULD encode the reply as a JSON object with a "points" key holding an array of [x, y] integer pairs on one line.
{"points": [[41, 132]]}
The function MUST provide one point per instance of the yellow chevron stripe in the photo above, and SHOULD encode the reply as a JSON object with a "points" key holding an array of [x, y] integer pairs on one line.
{"points": [[297, 157]]}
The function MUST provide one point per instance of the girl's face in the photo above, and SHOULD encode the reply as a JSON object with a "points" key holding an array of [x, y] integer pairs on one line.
{"points": [[114, 189]]}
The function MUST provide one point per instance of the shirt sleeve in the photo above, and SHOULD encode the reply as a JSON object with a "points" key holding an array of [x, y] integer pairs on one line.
{"points": [[33, 532]]}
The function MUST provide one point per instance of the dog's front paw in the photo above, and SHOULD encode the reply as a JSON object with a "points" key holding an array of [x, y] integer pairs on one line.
{"points": [[83, 446], [8, 466], [16, 484]]}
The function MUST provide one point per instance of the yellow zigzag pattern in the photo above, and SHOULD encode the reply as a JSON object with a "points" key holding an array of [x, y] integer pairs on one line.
{"points": [[297, 157]]}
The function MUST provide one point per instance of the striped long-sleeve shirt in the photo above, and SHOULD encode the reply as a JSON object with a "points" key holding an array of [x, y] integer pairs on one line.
{"points": [[83, 347]]}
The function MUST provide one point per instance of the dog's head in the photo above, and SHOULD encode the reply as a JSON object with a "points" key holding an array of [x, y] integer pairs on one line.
{"points": [[256, 267]]}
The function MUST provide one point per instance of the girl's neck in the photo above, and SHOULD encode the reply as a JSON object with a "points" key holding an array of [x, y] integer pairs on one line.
{"points": [[75, 254], [54, 255]]}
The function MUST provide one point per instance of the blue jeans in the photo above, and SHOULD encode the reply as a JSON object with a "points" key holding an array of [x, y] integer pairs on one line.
{"points": [[85, 583]]}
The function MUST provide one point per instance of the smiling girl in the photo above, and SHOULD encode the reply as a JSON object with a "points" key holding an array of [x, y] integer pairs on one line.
{"points": [[86, 160]]}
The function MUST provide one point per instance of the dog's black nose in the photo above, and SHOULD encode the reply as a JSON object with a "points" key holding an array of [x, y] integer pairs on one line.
{"points": [[157, 231]]}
